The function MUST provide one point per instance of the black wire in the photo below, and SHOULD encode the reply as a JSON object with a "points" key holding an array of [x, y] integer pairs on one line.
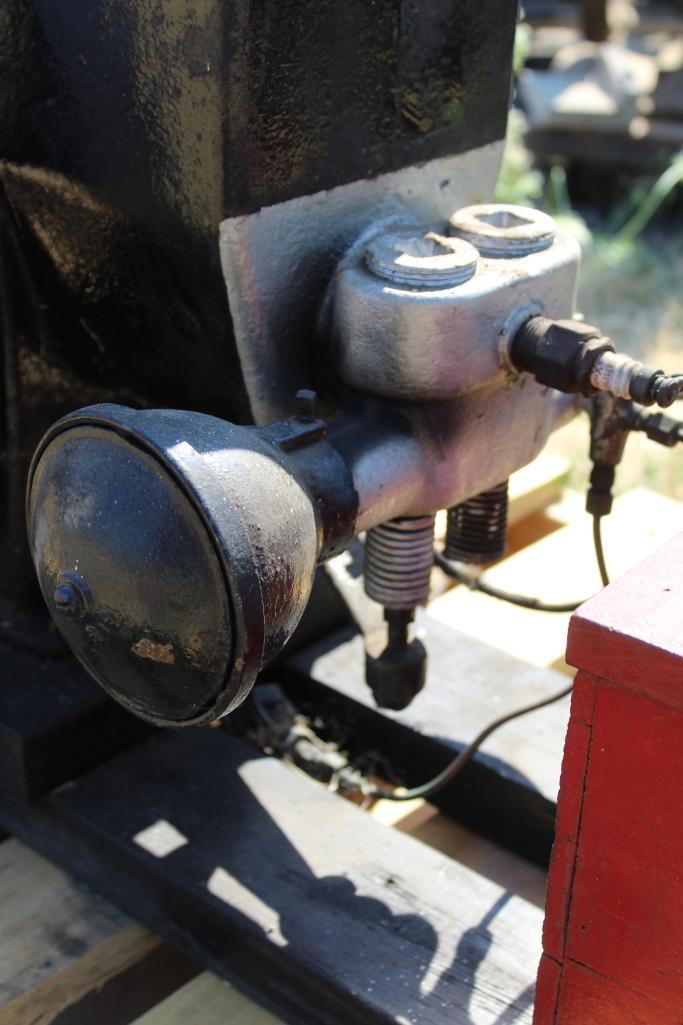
{"points": [[452, 570], [455, 767], [599, 550], [477, 584]]}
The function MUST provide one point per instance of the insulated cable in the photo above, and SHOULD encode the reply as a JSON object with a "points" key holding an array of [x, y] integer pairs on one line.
{"points": [[475, 583], [454, 768], [452, 570], [599, 550]]}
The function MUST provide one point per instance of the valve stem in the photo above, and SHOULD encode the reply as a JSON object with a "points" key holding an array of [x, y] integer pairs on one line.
{"points": [[398, 563]]}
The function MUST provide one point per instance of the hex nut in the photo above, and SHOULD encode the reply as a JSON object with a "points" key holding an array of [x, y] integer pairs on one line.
{"points": [[559, 353]]}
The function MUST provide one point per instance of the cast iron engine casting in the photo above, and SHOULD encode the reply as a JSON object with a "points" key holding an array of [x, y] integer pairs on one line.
{"points": [[327, 168], [345, 203], [176, 551]]}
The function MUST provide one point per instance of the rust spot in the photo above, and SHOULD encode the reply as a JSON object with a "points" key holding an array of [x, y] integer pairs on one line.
{"points": [[156, 652]]}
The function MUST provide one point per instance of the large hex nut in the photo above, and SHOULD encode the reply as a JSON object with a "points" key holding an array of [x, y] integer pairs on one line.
{"points": [[559, 353]]}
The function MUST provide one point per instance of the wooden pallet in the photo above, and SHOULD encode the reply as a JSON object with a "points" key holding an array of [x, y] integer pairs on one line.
{"points": [[69, 956], [296, 896], [318, 911]]}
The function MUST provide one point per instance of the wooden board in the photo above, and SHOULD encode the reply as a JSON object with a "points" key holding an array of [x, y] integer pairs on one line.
{"points": [[69, 957], [559, 567], [291, 892], [207, 1000], [509, 791], [436, 829], [536, 486], [63, 947], [54, 722], [473, 676]]}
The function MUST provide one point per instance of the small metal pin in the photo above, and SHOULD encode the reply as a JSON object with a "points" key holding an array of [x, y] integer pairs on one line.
{"points": [[306, 401]]}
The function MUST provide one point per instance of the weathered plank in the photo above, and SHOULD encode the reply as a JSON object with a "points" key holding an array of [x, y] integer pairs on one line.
{"points": [[54, 722], [509, 794], [61, 944], [509, 791], [289, 891], [559, 567], [207, 1000], [470, 683], [536, 486], [436, 829]]}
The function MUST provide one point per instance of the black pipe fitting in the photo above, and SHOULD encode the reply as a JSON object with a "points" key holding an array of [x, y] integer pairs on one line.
{"points": [[560, 354]]}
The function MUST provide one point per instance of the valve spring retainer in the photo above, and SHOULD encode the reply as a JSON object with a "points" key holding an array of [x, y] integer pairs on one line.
{"points": [[398, 561], [477, 529]]}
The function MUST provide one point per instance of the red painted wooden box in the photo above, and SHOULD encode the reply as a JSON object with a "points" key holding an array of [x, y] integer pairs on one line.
{"points": [[613, 935]]}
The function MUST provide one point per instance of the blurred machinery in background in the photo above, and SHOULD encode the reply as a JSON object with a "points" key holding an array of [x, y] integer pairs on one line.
{"points": [[601, 92]]}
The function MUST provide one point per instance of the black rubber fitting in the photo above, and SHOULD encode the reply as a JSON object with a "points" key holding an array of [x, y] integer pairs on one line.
{"points": [[599, 496], [643, 385]]}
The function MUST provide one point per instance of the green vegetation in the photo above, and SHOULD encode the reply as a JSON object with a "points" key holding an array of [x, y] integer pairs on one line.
{"points": [[631, 286]]}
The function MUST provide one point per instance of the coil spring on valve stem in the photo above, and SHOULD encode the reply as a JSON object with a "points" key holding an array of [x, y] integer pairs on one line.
{"points": [[477, 529], [398, 562]]}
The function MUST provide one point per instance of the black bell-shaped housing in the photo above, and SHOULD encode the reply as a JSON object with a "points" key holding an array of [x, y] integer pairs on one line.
{"points": [[176, 552]]}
